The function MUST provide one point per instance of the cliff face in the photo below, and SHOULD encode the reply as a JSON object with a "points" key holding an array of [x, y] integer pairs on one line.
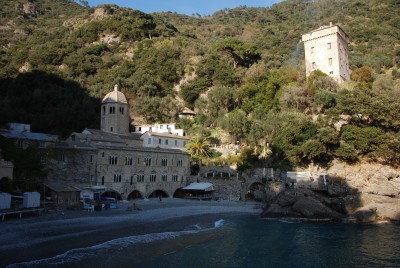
{"points": [[374, 190], [364, 192]]}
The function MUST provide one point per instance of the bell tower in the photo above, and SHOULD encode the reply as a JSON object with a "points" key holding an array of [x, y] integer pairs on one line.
{"points": [[115, 113]]}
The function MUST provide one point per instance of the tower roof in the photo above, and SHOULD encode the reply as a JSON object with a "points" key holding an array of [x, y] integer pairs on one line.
{"points": [[115, 96]]}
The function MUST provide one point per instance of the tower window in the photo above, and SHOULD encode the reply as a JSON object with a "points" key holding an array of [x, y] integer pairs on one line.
{"points": [[314, 66], [312, 50], [104, 110], [112, 110], [329, 45], [159, 141], [111, 129], [330, 61], [121, 110]]}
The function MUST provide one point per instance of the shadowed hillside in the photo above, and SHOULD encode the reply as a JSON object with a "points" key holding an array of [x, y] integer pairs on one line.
{"points": [[47, 102]]}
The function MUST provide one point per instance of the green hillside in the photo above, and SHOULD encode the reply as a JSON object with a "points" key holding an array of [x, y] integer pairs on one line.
{"points": [[241, 70]]}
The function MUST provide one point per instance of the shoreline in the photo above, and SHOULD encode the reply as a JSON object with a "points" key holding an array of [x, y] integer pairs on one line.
{"points": [[46, 236]]}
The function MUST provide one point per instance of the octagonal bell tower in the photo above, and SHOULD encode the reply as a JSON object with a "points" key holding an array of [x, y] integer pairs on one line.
{"points": [[115, 113]]}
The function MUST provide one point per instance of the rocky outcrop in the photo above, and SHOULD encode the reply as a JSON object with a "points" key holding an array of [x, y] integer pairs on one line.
{"points": [[305, 204], [374, 190], [364, 192], [30, 9]]}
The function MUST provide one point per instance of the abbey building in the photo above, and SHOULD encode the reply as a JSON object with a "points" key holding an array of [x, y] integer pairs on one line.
{"points": [[129, 165]]}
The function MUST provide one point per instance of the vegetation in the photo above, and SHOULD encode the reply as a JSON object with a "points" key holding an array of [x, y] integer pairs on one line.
{"points": [[242, 68]]}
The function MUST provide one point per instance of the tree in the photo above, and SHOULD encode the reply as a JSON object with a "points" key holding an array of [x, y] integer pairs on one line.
{"points": [[236, 124], [296, 97], [198, 148], [363, 76], [156, 109], [243, 54], [28, 170]]}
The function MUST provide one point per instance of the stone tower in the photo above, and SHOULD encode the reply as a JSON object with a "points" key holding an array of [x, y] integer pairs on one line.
{"points": [[326, 49], [115, 113]]}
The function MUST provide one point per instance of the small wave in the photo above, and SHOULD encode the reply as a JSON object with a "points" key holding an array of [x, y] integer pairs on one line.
{"points": [[286, 221], [219, 223]]}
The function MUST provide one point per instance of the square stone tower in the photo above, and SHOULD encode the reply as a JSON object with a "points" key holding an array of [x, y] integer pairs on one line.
{"points": [[326, 49], [115, 113]]}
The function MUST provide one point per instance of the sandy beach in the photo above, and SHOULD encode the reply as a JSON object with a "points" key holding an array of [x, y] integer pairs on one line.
{"points": [[51, 234]]}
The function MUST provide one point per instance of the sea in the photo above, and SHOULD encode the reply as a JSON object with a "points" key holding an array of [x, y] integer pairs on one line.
{"points": [[244, 241]]}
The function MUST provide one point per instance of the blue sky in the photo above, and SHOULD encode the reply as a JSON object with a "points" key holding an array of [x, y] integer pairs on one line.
{"points": [[189, 7]]}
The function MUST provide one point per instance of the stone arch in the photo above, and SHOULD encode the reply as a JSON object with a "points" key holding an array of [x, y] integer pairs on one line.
{"points": [[112, 194], [157, 193], [256, 191], [179, 193], [135, 194]]}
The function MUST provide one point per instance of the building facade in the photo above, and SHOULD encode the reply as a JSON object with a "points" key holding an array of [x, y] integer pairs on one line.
{"points": [[164, 140], [160, 128], [326, 49], [117, 159]]}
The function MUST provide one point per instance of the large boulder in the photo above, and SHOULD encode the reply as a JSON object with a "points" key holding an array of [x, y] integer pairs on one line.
{"points": [[276, 211], [313, 209], [365, 214]]}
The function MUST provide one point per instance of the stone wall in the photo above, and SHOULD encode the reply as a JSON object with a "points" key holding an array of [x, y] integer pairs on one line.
{"points": [[226, 189]]}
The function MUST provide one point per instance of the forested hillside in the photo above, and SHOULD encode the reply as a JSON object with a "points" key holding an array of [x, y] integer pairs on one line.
{"points": [[241, 70]]}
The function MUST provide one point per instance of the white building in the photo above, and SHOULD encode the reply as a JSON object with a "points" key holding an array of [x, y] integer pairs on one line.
{"points": [[326, 49], [164, 140], [160, 128]]}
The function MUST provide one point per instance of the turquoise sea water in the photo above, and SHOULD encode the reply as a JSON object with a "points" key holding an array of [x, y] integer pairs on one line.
{"points": [[245, 241]]}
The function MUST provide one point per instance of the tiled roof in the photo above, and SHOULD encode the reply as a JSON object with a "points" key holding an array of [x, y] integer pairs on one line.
{"points": [[27, 135]]}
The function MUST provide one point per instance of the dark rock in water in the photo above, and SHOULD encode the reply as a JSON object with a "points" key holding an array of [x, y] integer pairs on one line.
{"points": [[313, 209], [365, 215], [287, 200], [276, 211], [305, 203]]}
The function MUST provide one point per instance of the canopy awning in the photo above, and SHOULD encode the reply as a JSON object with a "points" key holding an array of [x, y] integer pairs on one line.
{"points": [[200, 186]]}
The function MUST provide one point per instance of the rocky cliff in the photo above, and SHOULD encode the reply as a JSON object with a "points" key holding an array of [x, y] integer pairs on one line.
{"points": [[365, 192]]}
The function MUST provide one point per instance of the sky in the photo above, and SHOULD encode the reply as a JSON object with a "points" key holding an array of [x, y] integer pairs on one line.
{"points": [[188, 7]]}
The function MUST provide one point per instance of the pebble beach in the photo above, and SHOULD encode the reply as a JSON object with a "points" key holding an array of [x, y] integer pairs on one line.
{"points": [[53, 233]]}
